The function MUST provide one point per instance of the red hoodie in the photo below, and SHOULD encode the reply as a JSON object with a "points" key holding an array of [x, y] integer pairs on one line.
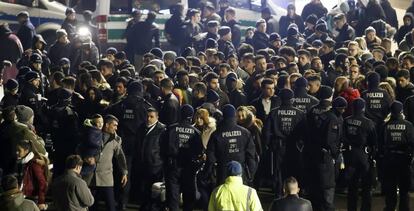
{"points": [[350, 95]]}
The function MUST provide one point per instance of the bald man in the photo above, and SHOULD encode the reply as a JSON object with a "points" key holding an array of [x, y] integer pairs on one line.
{"points": [[291, 201]]}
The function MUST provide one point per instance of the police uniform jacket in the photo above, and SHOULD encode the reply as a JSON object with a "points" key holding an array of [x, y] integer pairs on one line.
{"points": [[409, 109], [231, 142], [398, 138], [303, 101], [378, 104], [181, 145], [282, 128]]}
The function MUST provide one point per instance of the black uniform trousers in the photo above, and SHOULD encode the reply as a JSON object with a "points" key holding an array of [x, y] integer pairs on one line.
{"points": [[397, 174], [180, 180]]}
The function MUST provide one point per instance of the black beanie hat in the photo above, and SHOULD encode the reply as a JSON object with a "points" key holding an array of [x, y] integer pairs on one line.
{"points": [[157, 52], [396, 107], [211, 43], [229, 111], [286, 94], [187, 111], [301, 82], [339, 102], [358, 105], [135, 87], [340, 58], [325, 92], [373, 80], [12, 84], [312, 19]]}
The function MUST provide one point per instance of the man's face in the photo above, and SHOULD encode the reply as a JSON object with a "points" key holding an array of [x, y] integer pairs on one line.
{"points": [[317, 65], [227, 37], [111, 127], [213, 30], [262, 27], [248, 64], [152, 118], [196, 18], [291, 12], [303, 60], [371, 36], [214, 84], [120, 89], [339, 24], [403, 82], [277, 44], [207, 12], [233, 62], [228, 16], [72, 16], [168, 62], [325, 49], [37, 66], [202, 60], [21, 152], [63, 39], [261, 64], [406, 64], [158, 78], [268, 90], [354, 72], [223, 72], [377, 56], [110, 57], [314, 86], [407, 21], [106, 71]]}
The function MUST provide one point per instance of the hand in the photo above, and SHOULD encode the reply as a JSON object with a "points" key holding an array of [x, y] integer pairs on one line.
{"points": [[42, 206], [124, 180]]}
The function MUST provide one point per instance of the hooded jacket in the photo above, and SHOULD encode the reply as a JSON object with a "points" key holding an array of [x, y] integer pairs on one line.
{"points": [[403, 30], [13, 200]]}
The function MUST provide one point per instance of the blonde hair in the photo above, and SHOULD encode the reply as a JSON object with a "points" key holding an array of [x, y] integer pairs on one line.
{"points": [[362, 44], [341, 83], [202, 114], [388, 88]]}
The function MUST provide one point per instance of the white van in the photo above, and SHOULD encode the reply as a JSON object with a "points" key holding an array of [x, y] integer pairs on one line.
{"points": [[47, 16], [110, 15]]}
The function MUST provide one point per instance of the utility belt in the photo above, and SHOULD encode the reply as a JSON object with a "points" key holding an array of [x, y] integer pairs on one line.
{"points": [[365, 149]]}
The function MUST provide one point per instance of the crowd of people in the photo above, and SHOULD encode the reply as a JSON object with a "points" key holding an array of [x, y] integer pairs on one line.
{"points": [[320, 101]]}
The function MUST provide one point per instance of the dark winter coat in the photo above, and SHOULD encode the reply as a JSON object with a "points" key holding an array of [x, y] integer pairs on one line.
{"points": [[148, 32], [291, 202], [237, 98], [403, 30], [10, 45], [149, 146], [318, 9], [390, 13], [26, 33], [169, 109], [401, 94], [235, 32], [59, 50], [173, 29], [70, 28], [345, 34], [13, 200], [260, 41], [260, 112], [285, 21], [226, 47]]}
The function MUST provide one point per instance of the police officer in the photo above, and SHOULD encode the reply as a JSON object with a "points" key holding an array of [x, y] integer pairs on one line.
{"points": [[284, 139], [302, 99], [132, 113], [64, 130], [230, 142], [398, 153], [182, 148], [36, 61], [325, 135], [360, 140]]}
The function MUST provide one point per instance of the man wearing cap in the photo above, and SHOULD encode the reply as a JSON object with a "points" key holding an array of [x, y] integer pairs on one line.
{"points": [[290, 18], [209, 14], [260, 38], [35, 64], [10, 98], [293, 39], [345, 31], [275, 41], [30, 95], [233, 194], [321, 32], [230, 21], [231, 142], [339, 68], [302, 100], [397, 150], [283, 136], [26, 30], [182, 151], [70, 23], [64, 129], [325, 134], [60, 49], [310, 23], [360, 141], [224, 43]]}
